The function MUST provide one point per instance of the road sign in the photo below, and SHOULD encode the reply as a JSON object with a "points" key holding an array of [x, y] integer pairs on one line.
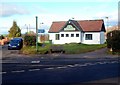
{"points": [[41, 31]]}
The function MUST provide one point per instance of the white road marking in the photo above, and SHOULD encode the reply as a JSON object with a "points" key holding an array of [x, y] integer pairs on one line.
{"points": [[114, 62], [76, 65], [62, 67], [102, 62], [92, 64], [98, 62], [3, 72], [34, 69], [18, 71], [49, 68], [70, 65], [35, 61]]}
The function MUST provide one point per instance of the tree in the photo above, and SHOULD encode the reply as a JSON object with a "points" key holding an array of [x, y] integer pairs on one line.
{"points": [[14, 30], [1, 37]]}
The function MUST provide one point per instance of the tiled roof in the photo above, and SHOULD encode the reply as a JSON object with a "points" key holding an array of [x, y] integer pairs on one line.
{"points": [[56, 26], [85, 25]]}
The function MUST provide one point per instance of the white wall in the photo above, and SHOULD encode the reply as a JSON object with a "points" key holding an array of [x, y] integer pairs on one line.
{"points": [[65, 39], [95, 38]]}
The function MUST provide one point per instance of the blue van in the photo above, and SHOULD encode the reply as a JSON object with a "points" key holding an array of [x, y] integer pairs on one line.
{"points": [[15, 43]]}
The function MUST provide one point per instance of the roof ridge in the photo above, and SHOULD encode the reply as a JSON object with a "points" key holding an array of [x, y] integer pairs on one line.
{"points": [[91, 20], [80, 20]]}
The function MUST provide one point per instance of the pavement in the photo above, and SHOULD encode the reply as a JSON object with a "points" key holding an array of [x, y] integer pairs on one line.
{"points": [[14, 56]]}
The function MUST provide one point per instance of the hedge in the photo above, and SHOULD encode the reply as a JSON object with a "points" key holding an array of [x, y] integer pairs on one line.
{"points": [[113, 40], [29, 40]]}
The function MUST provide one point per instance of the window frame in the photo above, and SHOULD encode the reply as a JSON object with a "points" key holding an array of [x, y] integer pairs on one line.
{"points": [[72, 34], [62, 34], [88, 37], [78, 35], [57, 36], [67, 34]]}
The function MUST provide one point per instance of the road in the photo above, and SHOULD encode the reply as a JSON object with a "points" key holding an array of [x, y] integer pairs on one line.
{"points": [[59, 70]]}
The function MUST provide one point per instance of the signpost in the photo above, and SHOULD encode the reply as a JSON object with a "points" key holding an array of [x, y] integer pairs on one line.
{"points": [[36, 33]]}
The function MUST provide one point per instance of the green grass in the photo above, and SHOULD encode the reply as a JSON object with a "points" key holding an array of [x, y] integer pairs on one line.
{"points": [[69, 48], [32, 49], [81, 48]]}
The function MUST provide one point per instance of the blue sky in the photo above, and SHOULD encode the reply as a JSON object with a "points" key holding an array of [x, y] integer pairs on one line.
{"points": [[24, 12]]}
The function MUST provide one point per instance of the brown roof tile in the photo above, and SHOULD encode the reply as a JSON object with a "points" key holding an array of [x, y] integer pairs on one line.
{"points": [[86, 25], [56, 26]]}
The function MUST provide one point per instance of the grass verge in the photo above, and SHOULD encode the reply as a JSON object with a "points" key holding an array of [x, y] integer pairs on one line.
{"points": [[69, 48], [81, 48]]}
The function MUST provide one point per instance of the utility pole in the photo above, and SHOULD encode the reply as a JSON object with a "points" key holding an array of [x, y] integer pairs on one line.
{"points": [[107, 21], [36, 33], [26, 27]]}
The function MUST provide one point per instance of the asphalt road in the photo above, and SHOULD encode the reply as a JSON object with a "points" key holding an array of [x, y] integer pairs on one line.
{"points": [[72, 71], [19, 69]]}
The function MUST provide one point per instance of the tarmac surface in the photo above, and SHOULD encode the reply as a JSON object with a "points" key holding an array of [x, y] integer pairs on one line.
{"points": [[14, 56]]}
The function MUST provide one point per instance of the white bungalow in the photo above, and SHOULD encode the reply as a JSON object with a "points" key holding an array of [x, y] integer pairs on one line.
{"points": [[72, 31]]}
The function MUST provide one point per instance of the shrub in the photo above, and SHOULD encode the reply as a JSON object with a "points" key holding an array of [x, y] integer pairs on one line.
{"points": [[113, 40], [29, 40]]}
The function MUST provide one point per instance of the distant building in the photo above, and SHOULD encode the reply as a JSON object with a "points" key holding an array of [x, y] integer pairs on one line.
{"points": [[75, 31], [42, 36]]}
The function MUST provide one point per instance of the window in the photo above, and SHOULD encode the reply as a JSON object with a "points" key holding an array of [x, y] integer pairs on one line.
{"points": [[67, 35], [72, 35], [77, 35], [57, 37], [88, 37], [62, 35]]}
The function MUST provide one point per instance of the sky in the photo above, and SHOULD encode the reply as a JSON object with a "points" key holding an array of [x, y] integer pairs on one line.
{"points": [[25, 11]]}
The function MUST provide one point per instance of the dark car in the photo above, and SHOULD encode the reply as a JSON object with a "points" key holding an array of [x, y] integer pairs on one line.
{"points": [[15, 43]]}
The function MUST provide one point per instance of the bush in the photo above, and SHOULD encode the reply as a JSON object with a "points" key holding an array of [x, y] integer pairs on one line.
{"points": [[1, 37], [113, 40], [29, 40]]}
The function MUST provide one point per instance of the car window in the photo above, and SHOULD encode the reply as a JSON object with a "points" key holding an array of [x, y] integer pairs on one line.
{"points": [[14, 41]]}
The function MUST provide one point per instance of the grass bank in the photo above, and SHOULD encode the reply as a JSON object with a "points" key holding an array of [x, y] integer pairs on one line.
{"points": [[69, 48]]}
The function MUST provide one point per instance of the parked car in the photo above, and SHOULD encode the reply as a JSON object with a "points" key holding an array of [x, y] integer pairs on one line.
{"points": [[15, 43]]}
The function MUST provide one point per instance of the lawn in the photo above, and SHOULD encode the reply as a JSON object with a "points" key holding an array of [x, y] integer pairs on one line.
{"points": [[69, 48], [81, 48]]}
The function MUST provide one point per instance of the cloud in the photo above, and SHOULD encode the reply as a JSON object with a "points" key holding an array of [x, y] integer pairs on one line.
{"points": [[10, 10], [112, 16]]}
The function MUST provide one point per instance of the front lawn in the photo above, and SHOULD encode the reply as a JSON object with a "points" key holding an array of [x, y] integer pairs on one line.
{"points": [[69, 48], [81, 48]]}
